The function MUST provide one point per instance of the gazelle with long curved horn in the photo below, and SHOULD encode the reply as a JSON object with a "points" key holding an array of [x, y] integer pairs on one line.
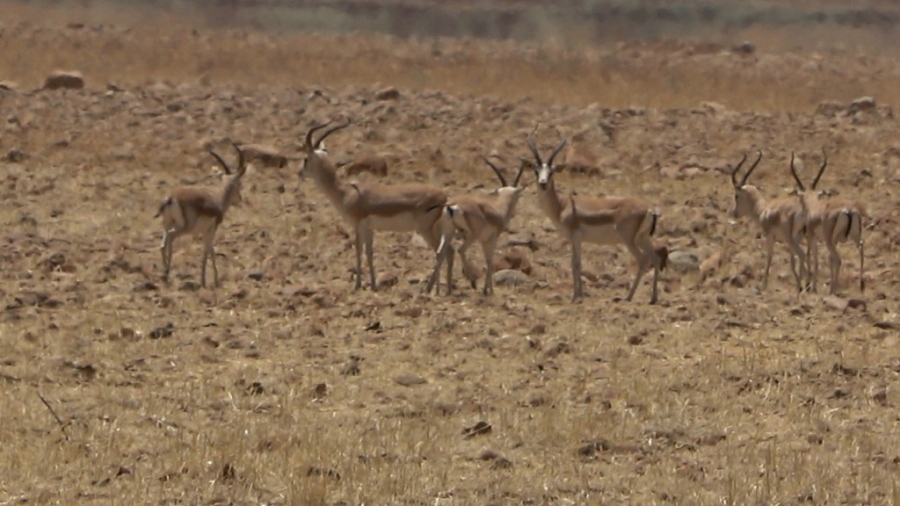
{"points": [[608, 220], [832, 220], [478, 218], [200, 211], [781, 220], [371, 206]]}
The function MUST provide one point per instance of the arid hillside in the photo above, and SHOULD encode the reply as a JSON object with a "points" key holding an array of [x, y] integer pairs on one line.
{"points": [[287, 386]]}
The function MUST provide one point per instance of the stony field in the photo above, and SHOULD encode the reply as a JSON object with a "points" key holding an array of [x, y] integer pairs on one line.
{"points": [[286, 386]]}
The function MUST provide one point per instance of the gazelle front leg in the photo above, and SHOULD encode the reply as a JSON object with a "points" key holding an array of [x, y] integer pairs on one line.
{"points": [[359, 251], [650, 257], [167, 250], [799, 275], [835, 264], [369, 240], [576, 267], [770, 249], [210, 252]]}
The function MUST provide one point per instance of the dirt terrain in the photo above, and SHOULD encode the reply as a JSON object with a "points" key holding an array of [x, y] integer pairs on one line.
{"points": [[286, 386]]}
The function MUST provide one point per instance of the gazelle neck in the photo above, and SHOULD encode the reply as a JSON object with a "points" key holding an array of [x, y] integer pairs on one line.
{"points": [[757, 202], [549, 202], [324, 175]]}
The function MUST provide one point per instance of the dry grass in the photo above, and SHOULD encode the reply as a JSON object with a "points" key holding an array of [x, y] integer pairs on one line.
{"points": [[719, 395]]}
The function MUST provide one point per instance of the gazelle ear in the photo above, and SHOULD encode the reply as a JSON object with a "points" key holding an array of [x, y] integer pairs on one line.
{"points": [[560, 167], [527, 163]]}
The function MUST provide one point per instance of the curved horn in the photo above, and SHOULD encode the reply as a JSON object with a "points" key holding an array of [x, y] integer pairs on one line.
{"points": [[221, 162], [331, 131], [821, 169], [794, 173], [534, 150], [242, 163], [736, 169], [309, 143], [750, 170], [519, 176], [558, 148], [496, 171]]}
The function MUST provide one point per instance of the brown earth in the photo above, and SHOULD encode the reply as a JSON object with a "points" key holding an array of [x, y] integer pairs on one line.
{"points": [[285, 386]]}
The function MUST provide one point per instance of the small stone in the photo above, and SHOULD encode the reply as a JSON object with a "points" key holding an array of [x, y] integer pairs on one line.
{"points": [[862, 104], [16, 156], [388, 94], [256, 275], [509, 277], [386, 279], [60, 79], [409, 380], [683, 261]]}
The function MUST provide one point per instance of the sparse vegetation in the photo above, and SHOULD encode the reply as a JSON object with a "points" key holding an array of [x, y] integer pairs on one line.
{"points": [[286, 386]]}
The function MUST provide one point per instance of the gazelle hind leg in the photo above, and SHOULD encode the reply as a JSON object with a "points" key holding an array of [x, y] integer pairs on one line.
{"points": [[488, 247]]}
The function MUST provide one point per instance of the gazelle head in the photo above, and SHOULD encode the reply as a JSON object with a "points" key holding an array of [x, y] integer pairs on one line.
{"points": [[315, 151], [745, 196], [231, 179], [811, 195], [543, 170]]}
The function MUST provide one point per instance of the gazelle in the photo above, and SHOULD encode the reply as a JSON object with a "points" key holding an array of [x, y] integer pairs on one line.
{"points": [[200, 211], [367, 207], [832, 220], [781, 220], [479, 218], [607, 220]]}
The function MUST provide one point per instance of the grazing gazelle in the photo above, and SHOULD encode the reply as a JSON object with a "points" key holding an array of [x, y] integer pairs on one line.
{"points": [[607, 220], [832, 220], [367, 207], [781, 220], [200, 211], [479, 218]]}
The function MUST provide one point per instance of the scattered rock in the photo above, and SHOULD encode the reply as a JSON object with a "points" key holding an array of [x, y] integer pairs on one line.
{"points": [[478, 429], [165, 331], [409, 380], [256, 275], [836, 303], [862, 104], [61, 79], [326, 473], [386, 279], [829, 109], [513, 259], [683, 261], [388, 94], [745, 48], [352, 367], [16, 156], [320, 390], [509, 277]]}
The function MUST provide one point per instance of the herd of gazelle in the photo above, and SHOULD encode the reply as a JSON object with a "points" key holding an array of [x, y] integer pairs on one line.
{"points": [[428, 211]]}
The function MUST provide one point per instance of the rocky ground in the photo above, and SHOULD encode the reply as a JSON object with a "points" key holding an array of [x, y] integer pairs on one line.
{"points": [[286, 386]]}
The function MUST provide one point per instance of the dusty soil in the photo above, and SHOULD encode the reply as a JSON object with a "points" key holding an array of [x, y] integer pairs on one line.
{"points": [[286, 386]]}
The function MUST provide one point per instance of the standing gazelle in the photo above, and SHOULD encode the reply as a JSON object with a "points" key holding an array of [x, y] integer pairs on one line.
{"points": [[200, 211], [479, 218], [781, 220], [832, 220], [607, 220], [367, 207]]}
